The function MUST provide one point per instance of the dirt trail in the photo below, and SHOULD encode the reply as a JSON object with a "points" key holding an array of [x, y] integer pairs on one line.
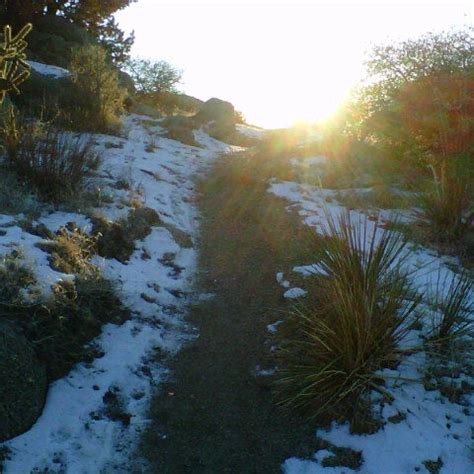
{"points": [[216, 416]]}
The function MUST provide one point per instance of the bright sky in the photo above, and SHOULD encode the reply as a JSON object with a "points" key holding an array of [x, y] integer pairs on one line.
{"points": [[278, 62]]}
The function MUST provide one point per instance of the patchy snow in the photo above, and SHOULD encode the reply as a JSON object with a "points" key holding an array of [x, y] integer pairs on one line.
{"points": [[251, 131], [294, 293], [273, 328], [431, 425], [47, 70], [74, 434]]}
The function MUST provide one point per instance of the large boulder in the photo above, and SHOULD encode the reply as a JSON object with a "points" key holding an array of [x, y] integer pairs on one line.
{"points": [[23, 383], [216, 110]]}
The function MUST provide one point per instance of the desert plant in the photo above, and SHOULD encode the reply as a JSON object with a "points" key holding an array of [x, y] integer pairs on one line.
{"points": [[331, 353], [99, 98], [446, 208], [55, 163], [71, 251], [453, 308], [13, 68]]}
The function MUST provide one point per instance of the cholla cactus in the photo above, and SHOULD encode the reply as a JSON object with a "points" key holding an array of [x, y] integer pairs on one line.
{"points": [[13, 66]]}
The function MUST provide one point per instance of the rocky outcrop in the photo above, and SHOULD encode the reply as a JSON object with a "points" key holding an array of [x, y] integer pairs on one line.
{"points": [[23, 383]]}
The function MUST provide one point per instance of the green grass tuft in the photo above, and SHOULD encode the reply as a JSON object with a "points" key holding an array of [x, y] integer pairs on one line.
{"points": [[331, 352]]}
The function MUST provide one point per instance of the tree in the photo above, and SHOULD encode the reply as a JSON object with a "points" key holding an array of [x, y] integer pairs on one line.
{"points": [[439, 112], [113, 39], [97, 84], [93, 15], [153, 77], [391, 66]]}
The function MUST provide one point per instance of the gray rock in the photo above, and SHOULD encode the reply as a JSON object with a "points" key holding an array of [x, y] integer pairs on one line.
{"points": [[216, 110], [23, 383]]}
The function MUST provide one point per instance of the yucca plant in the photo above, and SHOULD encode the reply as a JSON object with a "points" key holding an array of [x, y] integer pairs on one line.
{"points": [[331, 353], [453, 315]]}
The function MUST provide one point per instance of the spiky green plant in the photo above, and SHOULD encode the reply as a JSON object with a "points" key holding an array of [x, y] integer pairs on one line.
{"points": [[13, 66], [453, 308], [331, 353]]}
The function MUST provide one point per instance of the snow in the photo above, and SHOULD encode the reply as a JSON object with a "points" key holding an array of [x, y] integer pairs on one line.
{"points": [[74, 434], [294, 293], [48, 70], [251, 131], [434, 427]]}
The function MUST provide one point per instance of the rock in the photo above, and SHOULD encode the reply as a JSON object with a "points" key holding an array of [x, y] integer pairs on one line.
{"points": [[216, 110], [23, 383]]}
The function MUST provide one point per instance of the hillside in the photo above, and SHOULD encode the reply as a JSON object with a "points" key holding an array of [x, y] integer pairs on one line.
{"points": [[182, 292]]}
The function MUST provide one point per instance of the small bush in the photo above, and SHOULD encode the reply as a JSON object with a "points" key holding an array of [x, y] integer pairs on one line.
{"points": [[447, 207], [453, 309], [14, 278], [331, 352], [71, 251], [60, 327], [180, 128], [117, 239], [55, 163]]}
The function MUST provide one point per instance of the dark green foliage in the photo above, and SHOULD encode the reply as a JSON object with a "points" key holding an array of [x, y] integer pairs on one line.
{"points": [[100, 99], [153, 77], [53, 40], [331, 351], [117, 239], [93, 16], [23, 382]]}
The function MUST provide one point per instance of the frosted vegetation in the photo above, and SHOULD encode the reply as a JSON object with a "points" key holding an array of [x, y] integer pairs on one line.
{"points": [[111, 187]]}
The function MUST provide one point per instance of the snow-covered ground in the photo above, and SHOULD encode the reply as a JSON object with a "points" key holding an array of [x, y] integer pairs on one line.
{"points": [[48, 70], [429, 426], [73, 434], [250, 131]]}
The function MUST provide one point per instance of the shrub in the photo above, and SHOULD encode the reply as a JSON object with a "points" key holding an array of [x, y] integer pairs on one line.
{"points": [[99, 99], [446, 207], [116, 239], [59, 327], [55, 163], [53, 39], [16, 197], [331, 352], [180, 128], [153, 77], [453, 309], [71, 251]]}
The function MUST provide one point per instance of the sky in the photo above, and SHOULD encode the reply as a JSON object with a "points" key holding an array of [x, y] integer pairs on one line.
{"points": [[279, 62]]}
